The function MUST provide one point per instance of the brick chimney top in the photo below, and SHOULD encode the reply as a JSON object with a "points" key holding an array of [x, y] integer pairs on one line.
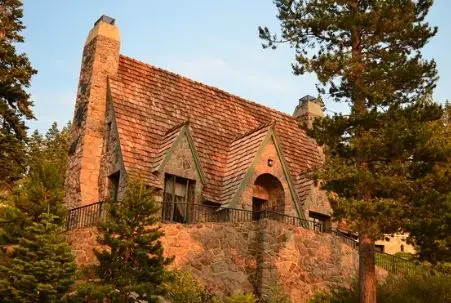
{"points": [[307, 98], [105, 26], [106, 19], [308, 109]]}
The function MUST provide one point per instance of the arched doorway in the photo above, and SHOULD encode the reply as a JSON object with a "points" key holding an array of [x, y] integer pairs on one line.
{"points": [[268, 194]]}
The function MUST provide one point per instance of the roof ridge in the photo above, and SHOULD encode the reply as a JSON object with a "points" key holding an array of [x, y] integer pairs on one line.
{"points": [[177, 126], [261, 126], [235, 97]]}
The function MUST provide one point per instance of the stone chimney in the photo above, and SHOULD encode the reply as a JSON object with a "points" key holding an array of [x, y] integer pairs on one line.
{"points": [[308, 109], [100, 60]]}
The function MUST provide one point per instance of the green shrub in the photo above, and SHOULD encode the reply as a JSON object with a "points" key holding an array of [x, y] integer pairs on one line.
{"points": [[408, 289], [184, 288], [241, 298], [277, 295], [416, 289]]}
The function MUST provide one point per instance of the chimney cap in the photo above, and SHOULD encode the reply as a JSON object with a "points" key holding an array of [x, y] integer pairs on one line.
{"points": [[106, 19], [307, 98]]}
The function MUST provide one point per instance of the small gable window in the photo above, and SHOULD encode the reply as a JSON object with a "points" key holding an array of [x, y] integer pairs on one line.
{"points": [[321, 222], [178, 198]]}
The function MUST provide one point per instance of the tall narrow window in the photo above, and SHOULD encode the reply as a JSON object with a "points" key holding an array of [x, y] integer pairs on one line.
{"points": [[178, 198], [114, 185]]}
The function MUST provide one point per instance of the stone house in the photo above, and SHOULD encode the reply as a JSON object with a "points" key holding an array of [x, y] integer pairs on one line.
{"points": [[204, 151], [194, 144]]}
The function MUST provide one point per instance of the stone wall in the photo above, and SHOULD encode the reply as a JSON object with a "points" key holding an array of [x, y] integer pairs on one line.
{"points": [[249, 256]]}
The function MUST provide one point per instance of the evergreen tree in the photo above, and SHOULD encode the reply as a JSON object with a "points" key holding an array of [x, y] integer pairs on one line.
{"points": [[366, 53], [429, 215], [447, 115], [132, 268], [15, 104], [41, 188], [41, 267]]}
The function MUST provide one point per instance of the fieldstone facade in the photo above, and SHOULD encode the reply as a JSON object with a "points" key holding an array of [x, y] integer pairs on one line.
{"points": [[249, 256], [100, 60]]}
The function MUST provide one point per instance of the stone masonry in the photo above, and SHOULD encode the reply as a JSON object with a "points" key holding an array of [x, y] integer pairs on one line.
{"points": [[248, 257], [100, 60], [260, 167]]}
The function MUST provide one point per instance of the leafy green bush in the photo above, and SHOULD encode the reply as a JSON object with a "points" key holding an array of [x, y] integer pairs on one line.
{"points": [[408, 289], [241, 298], [277, 295], [185, 289]]}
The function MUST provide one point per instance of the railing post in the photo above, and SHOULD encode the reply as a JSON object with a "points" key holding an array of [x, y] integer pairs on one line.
{"points": [[394, 268], [68, 220]]}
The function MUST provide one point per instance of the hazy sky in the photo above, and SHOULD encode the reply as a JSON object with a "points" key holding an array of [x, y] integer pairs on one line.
{"points": [[214, 42]]}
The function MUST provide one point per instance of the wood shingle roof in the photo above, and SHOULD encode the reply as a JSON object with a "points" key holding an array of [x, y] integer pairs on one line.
{"points": [[150, 103]]}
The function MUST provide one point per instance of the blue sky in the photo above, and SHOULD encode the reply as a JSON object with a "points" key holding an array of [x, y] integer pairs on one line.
{"points": [[214, 42]]}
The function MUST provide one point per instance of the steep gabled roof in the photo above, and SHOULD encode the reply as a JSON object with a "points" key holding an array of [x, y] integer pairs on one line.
{"points": [[241, 153], [170, 141], [150, 102]]}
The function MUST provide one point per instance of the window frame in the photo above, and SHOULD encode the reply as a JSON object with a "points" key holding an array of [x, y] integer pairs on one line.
{"points": [[169, 198], [322, 219]]}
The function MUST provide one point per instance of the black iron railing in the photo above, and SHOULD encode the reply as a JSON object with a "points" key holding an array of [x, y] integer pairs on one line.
{"points": [[296, 221], [392, 263], [199, 213], [85, 216], [397, 265], [346, 238], [90, 215]]}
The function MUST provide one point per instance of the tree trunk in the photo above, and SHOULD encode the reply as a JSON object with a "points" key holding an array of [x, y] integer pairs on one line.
{"points": [[367, 269]]}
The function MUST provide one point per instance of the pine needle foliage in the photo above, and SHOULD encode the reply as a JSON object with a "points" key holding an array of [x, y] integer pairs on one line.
{"points": [[41, 266], [41, 188], [15, 104], [367, 54], [132, 267]]}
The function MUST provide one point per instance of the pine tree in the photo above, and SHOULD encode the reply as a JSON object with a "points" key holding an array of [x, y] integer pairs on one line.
{"points": [[15, 104], [41, 267], [132, 268], [43, 186], [447, 115], [429, 215], [366, 54], [41, 189]]}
